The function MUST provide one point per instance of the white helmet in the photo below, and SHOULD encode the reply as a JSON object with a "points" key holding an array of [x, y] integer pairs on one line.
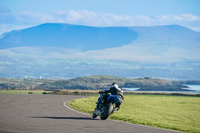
{"points": [[115, 85]]}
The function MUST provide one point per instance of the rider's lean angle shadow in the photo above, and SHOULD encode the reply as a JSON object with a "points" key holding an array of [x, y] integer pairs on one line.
{"points": [[72, 118]]}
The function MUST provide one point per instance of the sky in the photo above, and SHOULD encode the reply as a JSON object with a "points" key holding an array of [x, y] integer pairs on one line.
{"points": [[20, 14]]}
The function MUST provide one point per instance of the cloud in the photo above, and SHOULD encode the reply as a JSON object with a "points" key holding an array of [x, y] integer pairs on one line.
{"points": [[182, 18], [10, 20]]}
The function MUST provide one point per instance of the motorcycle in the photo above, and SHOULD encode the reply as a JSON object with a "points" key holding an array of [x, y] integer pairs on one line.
{"points": [[106, 108]]}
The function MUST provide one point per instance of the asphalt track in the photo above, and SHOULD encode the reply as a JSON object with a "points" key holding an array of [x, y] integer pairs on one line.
{"points": [[47, 114]]}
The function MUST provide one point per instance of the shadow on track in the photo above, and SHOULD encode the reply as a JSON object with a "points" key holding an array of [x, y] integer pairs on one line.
{"points": [[72, 118]]}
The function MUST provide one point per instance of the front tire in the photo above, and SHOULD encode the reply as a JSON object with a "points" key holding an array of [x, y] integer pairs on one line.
{"points": [[107, 112], [94, 115]]}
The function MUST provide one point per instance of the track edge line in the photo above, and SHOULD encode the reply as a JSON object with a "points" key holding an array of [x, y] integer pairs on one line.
{"points": [[65, 104]]}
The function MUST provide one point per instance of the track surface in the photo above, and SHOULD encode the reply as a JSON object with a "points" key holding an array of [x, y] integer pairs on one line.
{"points": [[47, 114]]}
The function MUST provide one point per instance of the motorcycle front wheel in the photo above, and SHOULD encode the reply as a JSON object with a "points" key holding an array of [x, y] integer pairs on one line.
{"points": [[94, 115], [107, 112]]}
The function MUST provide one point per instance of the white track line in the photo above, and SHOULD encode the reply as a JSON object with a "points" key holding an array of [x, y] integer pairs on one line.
{"points": [[65, 104]]}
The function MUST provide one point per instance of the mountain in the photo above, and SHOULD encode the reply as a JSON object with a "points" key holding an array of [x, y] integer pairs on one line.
{"points": [[158, 44], [68, 36], [67, 51]]}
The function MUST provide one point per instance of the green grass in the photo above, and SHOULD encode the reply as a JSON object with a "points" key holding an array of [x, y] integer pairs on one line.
{"points": [[39, 92], [180, 113]]}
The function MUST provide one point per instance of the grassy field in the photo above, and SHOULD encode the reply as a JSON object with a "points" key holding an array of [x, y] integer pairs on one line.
{"points": [[180, 113], [39, 92]]}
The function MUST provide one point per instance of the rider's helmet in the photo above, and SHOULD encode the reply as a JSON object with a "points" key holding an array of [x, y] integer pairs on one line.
{"points": [[115, 85]]}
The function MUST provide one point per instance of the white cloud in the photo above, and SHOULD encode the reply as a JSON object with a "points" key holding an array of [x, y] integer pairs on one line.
{"points": [[189, 17], [182, 18], [85, 17]]}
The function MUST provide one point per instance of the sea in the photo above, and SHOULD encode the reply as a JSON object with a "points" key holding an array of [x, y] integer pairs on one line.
{"points": [[193, 88]]}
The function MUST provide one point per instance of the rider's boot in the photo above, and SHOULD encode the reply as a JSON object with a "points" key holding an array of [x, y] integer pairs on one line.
{"points": [[117, 107]]}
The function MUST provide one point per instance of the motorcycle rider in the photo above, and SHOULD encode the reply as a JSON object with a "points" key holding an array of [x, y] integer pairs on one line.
{"points": [[116, 96]]}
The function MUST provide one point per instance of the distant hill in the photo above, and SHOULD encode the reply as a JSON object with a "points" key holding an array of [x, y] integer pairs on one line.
{"points": [[104, 82]]}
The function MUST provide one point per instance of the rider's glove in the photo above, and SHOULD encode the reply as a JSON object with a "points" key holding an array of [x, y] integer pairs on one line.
{"points": [[100, 92]]}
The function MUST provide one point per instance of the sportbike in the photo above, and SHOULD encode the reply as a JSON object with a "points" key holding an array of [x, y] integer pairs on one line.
{"points": [[106, 108]]}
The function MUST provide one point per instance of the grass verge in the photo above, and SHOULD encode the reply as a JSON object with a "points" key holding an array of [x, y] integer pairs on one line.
{"points": [[180, 113], [38, 92]]}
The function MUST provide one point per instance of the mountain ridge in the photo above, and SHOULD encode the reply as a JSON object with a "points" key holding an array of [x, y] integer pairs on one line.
{"points": [[59, 31]]}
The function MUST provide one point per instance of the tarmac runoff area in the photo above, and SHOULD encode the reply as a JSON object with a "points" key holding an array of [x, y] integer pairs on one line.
{"points": [[49, 114]]}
